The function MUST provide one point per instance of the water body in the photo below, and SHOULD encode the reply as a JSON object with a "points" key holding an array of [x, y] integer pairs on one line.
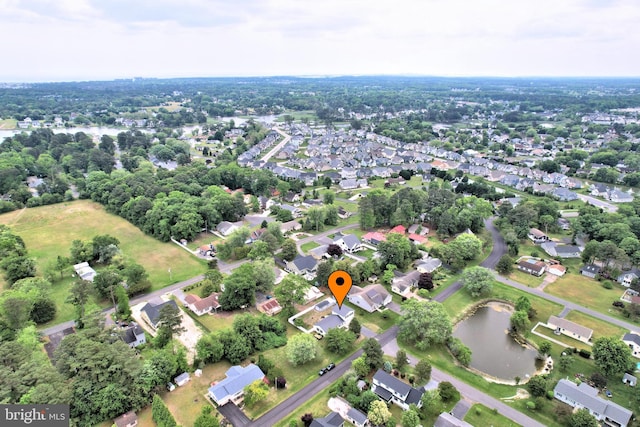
{"points": [[494, 351]]}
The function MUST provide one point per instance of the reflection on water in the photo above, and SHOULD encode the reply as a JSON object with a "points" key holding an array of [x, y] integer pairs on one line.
{"points": [[494, 351]]}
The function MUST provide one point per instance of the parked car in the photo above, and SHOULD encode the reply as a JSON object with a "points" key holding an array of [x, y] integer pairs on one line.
{"points": [[318, 336], [321, 372], [330, 366], [608, 393]]}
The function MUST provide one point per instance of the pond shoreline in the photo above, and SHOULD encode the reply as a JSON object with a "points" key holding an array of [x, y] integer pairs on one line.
{"points": [[502, 304]]}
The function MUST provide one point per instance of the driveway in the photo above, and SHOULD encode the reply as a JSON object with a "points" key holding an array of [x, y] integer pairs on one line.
{"points": [[234, 415], [367, 332], [395, 307], [460, 410]]}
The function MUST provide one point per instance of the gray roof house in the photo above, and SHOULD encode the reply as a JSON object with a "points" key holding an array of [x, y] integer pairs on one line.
{"points": [[445, 419], [585, 396], [340, 317], [151, 313], [391, 389], [356, 417], [303, 265], [629, 379], [369, 298], [590, 270], [182, 379], [225, 228], [568, 251], [232, 387], [332, 420], [348, 242], [564, 195], [133, 335]]}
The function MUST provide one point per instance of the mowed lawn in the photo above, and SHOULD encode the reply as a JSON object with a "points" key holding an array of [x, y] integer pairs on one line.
{"points": [[600, 327], [49, 230], [588, 293], [480, 416]]}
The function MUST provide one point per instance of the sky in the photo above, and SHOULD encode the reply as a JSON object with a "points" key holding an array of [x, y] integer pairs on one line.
{"points": [[64, 40]]}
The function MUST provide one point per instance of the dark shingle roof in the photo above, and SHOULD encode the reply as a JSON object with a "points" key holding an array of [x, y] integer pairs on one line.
{"points": [[153, 311]]}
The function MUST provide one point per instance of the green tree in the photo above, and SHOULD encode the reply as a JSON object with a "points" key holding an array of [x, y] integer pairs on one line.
{"points": [[239, 288], [170, 319], [123, 311], [378, 413], [323, 272], [467, 246], [78, 297], [209, 349], [448, 392], [291, 291], [206, 418], [264, 275], [361, 367], [328, 198], [61, 264], [104, 247], [583, 418], [401, 359], [565, 362], [410, 418], [612, 356], [316, 216], [478, 281], [259, 250], [544, 349], [355, 327], [432, 402], [81, 252], [538, 385], [255, 392], [424, 323], [505, 265], [160, 413], [16, 308], [523, 304], [339, 340], [301, 348], [373, 353], [395, 250], [520, 322], [423, 371], [288, 251], [106, 282], [18, 267], [331, 215]]}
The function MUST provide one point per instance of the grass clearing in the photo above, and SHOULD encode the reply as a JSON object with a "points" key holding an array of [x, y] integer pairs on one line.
{"points": [[49, 230], [588, 293], [306, 247], [317, 406], [526, 279], [480, 416], [600, 327], [8, 124]]}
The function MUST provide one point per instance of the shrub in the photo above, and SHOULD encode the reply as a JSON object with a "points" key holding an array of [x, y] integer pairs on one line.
{"points": [[584, 353], [531, 405], [607, 284]]}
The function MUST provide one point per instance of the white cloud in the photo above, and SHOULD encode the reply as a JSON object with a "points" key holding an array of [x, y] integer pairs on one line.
{"points": [[86, 39]]}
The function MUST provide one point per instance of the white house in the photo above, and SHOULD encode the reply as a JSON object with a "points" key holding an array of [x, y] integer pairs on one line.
{"points": [[537, 236], [633, 341], [226, 228], [570, 329], [133, 335], [85, 272], [182, 379], [232, 387], [585, 396], [369, 298], [202, 306], [340, 317], [348, 242], [392, 389]]}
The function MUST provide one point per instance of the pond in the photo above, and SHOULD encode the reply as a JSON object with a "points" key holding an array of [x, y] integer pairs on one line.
{"points": [[494, 351]]}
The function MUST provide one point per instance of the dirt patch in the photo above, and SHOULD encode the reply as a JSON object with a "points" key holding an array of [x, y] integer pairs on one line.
{"points": [[520, 394]]}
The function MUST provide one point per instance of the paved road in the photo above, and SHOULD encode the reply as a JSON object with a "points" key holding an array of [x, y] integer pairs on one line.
{"points": [[599, 203], [285, 408], [234, 415], [223, 267], [278, 147]]}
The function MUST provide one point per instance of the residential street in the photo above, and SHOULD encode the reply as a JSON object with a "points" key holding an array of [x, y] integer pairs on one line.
{"points": [[278, 147]]}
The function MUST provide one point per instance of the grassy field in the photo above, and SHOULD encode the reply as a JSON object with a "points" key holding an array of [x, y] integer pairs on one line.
{"points": [[49, 230], [8, 124], [481, 416], [588, 293], [316, 406], [526, 279], [600, 327], [306, 247]]}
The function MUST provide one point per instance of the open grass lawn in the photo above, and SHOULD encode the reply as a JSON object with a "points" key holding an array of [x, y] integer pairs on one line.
{"points": [[317, 406], [306, 247], [8, 124], [588, 293], [600, 327], [481, 416], [49, 230], [216, 322], [526, 279], [380, 321], [204, 239]]}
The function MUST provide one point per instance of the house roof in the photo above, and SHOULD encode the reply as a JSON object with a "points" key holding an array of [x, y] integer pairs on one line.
{"points": [[153, 311], [590, 268], [398, 229], [587, 396], [351, 240], [329, 322], [125, 419], [374, 235], [536, 233], [343, 311], [305, 262], [132, 333], [629, 378], [417, 238], [357, 416], [567, 249], [238, 378], [390, 382], [445, 419], [332, 420], [182, 377], [634, 338], [201, 304], [568, 325], [270, 306], [537, 266]]}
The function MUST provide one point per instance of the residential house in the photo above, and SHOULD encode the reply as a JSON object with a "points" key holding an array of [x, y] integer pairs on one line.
{"points": [[202, 306], [627, 277], [533, 267], [600, 190], [348, 242], [150, 313], [400, 288], [226, 228], [428, 265], [231, 389], [374, 237], [340, 317], [633, 341], [182, 379], [564, 223], [256, 234], [311, 294], [417, 239], [418, 229], [564, 195], [370, 298], [537, 236], [618, 196], [290, 226], [269, 307], [342, 213], [569, 328], [629, 380], [562, 251], [392, 389], [133, 335], [265, 202], [332, 420], [85, 272], [291, 197], [130, 419], [445, 419], [303, 265], [585, 396], [400, 229], [295, 211], [557, 269], [206, 250], [357, 418], [404, 282], [590, 270]]}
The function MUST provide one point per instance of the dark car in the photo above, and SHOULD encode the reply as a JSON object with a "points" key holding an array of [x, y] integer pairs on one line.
{"points": [[330, 366], [322, 371]]}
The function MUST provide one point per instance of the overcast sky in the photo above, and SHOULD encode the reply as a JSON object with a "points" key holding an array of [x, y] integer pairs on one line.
{"points": [[51, 40]]}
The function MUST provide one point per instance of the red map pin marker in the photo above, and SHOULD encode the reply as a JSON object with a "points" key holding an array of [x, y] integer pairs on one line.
{"points": [[340, 284]]}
